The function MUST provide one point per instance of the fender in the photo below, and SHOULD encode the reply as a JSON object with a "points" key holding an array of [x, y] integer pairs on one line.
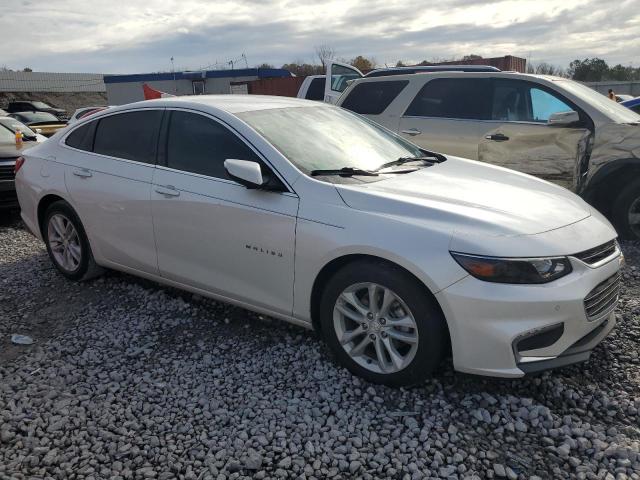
{"points": [[604, 173]]}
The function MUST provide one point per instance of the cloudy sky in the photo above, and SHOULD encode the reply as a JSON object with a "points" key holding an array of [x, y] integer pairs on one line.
{"points": [[114, 36]]}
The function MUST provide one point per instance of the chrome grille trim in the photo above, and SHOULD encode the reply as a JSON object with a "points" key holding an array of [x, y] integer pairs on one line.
{"points": [[6, 172], [603, 298], [597, 254]]}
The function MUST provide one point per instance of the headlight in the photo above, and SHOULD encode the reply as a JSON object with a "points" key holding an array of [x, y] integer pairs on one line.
{"points": [[514, 270]]}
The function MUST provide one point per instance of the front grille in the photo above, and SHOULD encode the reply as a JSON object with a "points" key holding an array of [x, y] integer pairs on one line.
{"points": [[6, 172], [603, 299], [594, 255]]}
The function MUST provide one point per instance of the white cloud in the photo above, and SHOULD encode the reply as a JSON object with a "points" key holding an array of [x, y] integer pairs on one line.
{"points": [[117, 36]]}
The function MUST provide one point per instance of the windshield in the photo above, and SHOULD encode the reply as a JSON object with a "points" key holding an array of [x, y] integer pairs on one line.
{"points": [[14, 125], [6, 136], [610, 108], [36, 117], [324, 137], [40, 105]]}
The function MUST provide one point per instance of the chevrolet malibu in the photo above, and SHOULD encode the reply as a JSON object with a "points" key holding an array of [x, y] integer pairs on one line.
{"points": [[309, 213]]}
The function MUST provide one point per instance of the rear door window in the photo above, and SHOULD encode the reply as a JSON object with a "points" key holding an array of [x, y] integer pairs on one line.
{"points": [[316, 89], [373, 98], [130, 135], [457, 98], [200, 145]]}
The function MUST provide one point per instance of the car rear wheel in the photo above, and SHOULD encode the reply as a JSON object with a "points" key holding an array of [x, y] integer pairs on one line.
{"points": [[67, 243], [626, 211], [381, 324]]}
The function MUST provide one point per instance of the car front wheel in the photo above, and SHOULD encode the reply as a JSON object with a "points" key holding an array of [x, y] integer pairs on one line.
{"points": [[626, 211], [381, 324]]}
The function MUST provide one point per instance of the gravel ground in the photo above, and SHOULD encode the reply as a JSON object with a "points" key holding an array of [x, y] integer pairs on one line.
{"points": [[127, 380]]}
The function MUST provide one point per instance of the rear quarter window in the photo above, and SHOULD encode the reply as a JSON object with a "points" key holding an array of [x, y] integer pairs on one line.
{"points": [[82, 137], [316, 89], [373, 98]]}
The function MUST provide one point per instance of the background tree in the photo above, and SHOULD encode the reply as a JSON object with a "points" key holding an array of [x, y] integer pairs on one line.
{"points": [[588, 70], [301, 69], [325, 54], [472, 57], [400, 63], [27, 69], [363, 64], [265, 65]]}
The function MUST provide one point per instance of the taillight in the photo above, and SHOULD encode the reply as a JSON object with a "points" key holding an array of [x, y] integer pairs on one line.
{"points": [[18, 166]]}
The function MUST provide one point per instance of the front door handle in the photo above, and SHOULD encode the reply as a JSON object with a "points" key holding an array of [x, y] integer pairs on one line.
{"points": [[412, 131], [82, 173], [497, 137], [168, 191]]}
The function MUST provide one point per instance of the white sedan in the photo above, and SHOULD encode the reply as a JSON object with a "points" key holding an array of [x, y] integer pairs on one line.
{"points": [[314, 215]]}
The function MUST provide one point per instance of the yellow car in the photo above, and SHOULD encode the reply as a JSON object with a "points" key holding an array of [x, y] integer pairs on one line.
{"points": [[41, 122]]}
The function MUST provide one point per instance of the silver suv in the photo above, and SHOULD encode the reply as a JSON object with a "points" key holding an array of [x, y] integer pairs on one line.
{"points": [[551, 127]]}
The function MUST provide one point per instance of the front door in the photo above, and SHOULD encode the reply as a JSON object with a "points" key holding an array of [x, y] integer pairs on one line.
{"points": [[521, 138], [211, 232]]}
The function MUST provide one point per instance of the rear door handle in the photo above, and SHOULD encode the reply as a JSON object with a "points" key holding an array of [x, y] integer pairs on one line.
{"points": [[82, 173], [168, 191], [497, 137], [412, 131]]}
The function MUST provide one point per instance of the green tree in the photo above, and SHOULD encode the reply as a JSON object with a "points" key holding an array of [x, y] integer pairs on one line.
{"points": [[589, 70]]}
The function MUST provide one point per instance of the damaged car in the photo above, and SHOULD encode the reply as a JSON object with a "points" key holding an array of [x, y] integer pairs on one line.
{"points": [[550, 127]]}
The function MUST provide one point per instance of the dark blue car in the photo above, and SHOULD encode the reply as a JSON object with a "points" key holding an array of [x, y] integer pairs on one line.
{"points": [[633, 104]]}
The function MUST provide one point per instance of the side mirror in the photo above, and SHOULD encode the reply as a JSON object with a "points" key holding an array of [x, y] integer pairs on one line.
{"points": [[245, 172], [563, 119]]}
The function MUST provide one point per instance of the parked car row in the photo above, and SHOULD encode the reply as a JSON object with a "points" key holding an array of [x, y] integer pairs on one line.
{"points": [[391, 251], [9, 153]]}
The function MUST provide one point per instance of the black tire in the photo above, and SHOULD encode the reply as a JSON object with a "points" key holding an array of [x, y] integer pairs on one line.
{"points": [[629, 197], [431, 326], [87, 267]]}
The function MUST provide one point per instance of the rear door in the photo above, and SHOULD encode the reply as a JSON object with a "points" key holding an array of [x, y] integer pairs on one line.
{"points": [[109, 168], [338, 74], [522, 140], [449, 115], [372, 99]]}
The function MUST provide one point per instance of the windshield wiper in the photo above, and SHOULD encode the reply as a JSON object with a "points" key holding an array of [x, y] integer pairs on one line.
{"points": [[344, 172], [402, 160]]}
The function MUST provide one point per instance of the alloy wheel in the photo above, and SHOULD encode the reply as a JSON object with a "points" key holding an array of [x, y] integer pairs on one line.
{"points": [[64, 242], [375, 328]]}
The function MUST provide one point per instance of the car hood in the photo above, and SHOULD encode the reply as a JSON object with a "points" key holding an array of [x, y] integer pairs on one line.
{"points": [[11, 150], [468, 196]]}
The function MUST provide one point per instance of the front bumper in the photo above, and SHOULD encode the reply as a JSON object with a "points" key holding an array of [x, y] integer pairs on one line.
{"points": [[488, 320]]}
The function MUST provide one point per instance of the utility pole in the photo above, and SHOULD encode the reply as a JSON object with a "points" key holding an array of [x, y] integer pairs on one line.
{"points": [[173, 69], [231, 63]]}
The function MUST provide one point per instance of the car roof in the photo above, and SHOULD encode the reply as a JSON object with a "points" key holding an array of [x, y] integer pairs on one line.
{"points": [[380, 72], [229, 103], [455, 74], [631, 102]]}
